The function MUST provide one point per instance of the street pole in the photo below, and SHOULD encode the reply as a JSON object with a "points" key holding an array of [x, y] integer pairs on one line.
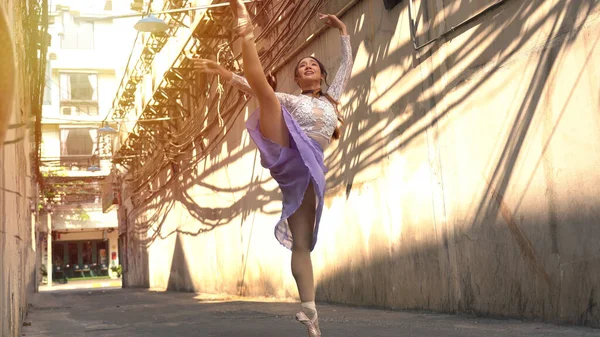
{"points": [[49, 257], [33, 240], [34, 246]]}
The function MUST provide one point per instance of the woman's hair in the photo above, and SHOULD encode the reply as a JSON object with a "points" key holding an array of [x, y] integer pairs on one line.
{"points": [[272, 80], [337, 132]]}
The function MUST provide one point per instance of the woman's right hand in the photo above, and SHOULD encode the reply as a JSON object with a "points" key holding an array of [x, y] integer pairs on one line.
{"points": [[211, 67], [335, 22], [208, 66]]}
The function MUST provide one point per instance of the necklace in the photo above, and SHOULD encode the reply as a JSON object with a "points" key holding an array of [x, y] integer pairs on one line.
{"points": [[314, 93]]}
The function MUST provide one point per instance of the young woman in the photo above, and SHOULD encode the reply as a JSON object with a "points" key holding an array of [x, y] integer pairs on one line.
{"points": [[291, 132]]}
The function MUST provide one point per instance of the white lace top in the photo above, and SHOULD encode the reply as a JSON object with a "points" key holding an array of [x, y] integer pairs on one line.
{"points": [[316, 116]]}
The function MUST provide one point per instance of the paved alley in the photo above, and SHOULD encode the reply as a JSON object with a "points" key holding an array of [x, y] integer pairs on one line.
{"points": [[137, 312]]}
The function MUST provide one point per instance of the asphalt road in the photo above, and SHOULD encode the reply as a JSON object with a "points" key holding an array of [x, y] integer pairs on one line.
{"points": [[134, 312]]}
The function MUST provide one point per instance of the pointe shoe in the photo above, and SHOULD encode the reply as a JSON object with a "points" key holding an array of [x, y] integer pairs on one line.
{"points": [[243, 25], [313, 330]]}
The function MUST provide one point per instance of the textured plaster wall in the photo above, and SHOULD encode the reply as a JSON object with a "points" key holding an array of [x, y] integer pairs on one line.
{"points": [[17, 258], [465, 181]]}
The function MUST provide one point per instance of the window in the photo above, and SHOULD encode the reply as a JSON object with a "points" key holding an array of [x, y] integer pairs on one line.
{"points": [[78, 87], [76, 34], [73, 253], [102, 254], [78, 142], [78, 94], [58, 254], [86, 253]]}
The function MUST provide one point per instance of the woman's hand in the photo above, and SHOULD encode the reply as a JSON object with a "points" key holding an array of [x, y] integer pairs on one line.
{"points": [[243, 24], [207, 66], [211, 67], [333, 21]]}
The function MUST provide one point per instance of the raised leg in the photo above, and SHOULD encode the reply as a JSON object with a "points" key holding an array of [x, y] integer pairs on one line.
{"points": [[271, 124]]}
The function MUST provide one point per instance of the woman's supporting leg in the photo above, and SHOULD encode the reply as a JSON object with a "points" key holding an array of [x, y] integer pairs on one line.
{"points": [[302, 225], [271, 124]]}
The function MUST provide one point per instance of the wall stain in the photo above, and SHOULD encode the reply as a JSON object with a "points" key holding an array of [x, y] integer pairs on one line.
{"points": [[525, 245]]}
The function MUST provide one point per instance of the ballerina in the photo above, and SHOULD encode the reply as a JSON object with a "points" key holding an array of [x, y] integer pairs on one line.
{"points": [[291, 133]]}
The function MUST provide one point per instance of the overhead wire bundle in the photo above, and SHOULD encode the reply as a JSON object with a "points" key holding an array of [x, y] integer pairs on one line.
{"points": [[200, 110]]}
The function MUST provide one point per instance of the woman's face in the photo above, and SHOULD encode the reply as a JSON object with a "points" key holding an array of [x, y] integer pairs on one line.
{"points": [[308, 73]]}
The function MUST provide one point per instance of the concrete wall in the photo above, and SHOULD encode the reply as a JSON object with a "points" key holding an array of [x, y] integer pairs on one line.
{"points": [[17, 258], [465, 181]]}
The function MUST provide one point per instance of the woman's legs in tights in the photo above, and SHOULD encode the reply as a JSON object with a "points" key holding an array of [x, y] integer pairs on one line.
{"points": [[302, 226], [272, 126], [271, 122]]}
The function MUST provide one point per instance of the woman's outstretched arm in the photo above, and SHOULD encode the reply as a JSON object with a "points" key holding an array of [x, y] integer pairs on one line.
{"points": [[212, 67], [343, 73]]}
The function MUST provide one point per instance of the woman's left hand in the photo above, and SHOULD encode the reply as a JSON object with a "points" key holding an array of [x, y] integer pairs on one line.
{"points": [[333, 21]]}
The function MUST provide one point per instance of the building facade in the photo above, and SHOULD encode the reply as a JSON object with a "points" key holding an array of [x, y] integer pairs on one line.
{"points": [[22, 37], [84, 65], [464, 181]]}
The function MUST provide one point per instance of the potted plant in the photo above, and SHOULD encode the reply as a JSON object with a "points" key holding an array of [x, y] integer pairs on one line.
{"points": [[117, 270]]}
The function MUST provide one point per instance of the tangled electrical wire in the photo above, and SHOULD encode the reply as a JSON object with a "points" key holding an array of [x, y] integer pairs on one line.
{"points": [[35, 28], [201, 110]]}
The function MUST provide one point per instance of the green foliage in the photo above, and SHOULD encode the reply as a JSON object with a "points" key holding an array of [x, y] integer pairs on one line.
{"points": [[117, 269], [80, 214]]}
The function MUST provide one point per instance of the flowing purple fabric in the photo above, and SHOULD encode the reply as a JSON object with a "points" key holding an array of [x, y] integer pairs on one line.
{"points": [[293, 168]]}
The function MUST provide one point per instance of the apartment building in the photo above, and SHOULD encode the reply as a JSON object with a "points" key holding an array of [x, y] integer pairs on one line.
{"points": [[85, 59]]}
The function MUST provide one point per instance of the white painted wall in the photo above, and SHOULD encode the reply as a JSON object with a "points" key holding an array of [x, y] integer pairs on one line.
{"points": [[465, 180], [97, 220], [50, 141]]}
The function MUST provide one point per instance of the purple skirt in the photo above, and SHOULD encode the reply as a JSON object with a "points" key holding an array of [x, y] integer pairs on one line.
{"points": [[293, 168]]}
